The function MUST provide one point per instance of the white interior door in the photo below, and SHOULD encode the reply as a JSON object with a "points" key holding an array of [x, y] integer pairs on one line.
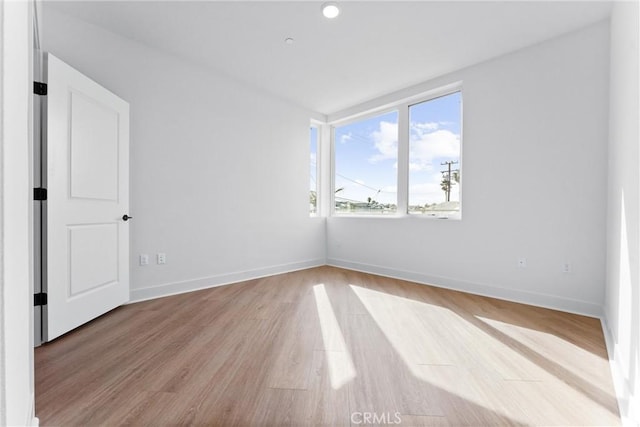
{"points": [[87, 239]]}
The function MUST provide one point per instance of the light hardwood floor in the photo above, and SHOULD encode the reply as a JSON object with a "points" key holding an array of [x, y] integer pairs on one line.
{"points": [[327, 346]]}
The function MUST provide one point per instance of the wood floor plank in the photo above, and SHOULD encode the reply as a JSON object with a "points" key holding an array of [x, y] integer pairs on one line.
{"points": [[293, 349], [322, 347], [387, 383], [324, 403]]}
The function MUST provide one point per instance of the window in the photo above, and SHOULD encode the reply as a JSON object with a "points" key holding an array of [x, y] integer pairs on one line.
{"points": [[404, 161], [366, 171], [313, 171], [434, 156]]}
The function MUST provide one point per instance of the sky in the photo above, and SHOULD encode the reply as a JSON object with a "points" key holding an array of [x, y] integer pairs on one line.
{"points": [[366, 153]]}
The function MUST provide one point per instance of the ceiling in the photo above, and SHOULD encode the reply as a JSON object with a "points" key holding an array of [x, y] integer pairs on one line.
{"points": [[371, 49]]}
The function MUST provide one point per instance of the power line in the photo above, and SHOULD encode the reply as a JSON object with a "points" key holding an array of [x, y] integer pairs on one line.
{"points": [[359, 183], [446, 179]]}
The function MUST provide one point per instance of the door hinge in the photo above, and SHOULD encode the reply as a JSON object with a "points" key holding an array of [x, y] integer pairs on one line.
{"points": [[39, 193], [39, 299], [39, 88]]}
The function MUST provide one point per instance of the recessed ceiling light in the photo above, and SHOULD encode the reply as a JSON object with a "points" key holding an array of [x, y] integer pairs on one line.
{"points": [[330, 9], [289, 40]]}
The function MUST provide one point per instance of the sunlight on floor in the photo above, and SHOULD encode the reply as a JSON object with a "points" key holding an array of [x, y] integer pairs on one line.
{"points": [[548, 345], [573, 370], [409, 326], [341, 369], [423, 335], [404, 323]]}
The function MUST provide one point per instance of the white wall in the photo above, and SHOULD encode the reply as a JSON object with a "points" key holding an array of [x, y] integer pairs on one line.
{"points": [[622, 309], [219, 172], [16, 288], [534, 184]]}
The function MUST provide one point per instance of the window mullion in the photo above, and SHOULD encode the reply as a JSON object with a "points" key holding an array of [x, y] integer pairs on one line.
{"points": [[326, 170], [403, 160]]}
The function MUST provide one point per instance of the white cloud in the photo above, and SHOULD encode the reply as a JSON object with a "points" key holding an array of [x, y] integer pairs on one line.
{"points": [[386, 142], [346, 138], [425, 192], [428, 142], [312, 158], [389, 189], [428, 146], [430, 191], [416, 167], [424, 127]]}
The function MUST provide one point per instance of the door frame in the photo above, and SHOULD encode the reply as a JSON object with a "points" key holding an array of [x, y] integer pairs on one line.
{"points": [[39, 206], [16, 220]]}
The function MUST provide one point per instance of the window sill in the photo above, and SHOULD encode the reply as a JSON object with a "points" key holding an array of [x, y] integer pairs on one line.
{"points": [[401, 216]]}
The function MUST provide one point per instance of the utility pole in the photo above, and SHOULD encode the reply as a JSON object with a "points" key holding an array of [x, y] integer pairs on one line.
{"points": [[446, 177]]}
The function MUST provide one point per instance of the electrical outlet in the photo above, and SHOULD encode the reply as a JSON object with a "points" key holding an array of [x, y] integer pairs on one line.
{"points": [[566, 267], [144, 259], [522, 263], [162, 258]]}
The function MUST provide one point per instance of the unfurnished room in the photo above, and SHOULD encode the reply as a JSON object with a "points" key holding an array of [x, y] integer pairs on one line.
{"points": [[308, 213]]}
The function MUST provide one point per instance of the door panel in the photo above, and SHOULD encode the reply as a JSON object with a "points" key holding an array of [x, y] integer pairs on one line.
{"points": [[88, 243], [94, 149], [87, 174]]}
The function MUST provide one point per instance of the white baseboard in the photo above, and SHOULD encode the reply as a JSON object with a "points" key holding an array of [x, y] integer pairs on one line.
{"points": [[525, 297], [531, 298], [629, 410], [32, 420], [175, 288]]}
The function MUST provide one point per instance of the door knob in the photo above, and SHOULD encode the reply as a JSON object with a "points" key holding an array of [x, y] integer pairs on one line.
{"points": [[126, 217]]}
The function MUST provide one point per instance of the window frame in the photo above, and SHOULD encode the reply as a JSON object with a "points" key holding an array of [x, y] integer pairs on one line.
{"points": [[402, 106], [332, 130], [318, 127], [460, 167]]}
